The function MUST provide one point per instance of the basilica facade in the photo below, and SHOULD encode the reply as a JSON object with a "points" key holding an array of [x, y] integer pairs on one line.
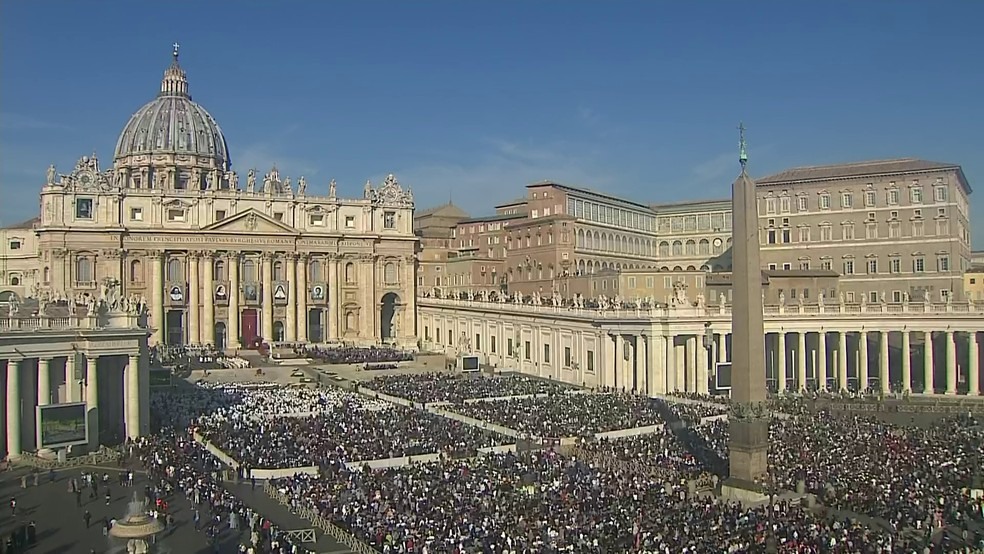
{"points": [[222, 260]]}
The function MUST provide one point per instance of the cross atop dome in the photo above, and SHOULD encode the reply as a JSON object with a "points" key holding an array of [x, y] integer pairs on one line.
{"points": [[175, 82], [174, 51]]}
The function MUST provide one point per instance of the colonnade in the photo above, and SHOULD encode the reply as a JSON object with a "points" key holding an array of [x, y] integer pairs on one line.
{"points": [[72, 378]]}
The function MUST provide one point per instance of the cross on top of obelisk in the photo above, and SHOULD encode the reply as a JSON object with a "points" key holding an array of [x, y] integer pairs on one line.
{"points": [[742, 153]]}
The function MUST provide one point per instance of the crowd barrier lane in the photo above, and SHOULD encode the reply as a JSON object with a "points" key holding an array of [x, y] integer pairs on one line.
{"points": [[502, 449], [365, 391], [319, 521], [215, 451], [267, 474], [104, 457], [476, 422], [500, 398], [633, 432]]}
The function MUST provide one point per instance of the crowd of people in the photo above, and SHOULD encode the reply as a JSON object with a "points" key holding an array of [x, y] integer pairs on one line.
{"points": [[457, 387], [567, 415], [194, 357], [278, 427], [353, 354]]}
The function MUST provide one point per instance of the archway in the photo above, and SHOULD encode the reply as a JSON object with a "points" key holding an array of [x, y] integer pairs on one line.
{"points": [[388, 309], [278, 331], [219, 340]]}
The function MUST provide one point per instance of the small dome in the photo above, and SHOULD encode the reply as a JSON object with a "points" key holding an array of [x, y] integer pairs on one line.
{"points": [[173, 124]]}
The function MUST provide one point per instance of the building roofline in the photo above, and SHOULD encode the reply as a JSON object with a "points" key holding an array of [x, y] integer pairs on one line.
{"points": [[28, 224], [496, 217], [917, 166], [685, 203], [589, 192]]}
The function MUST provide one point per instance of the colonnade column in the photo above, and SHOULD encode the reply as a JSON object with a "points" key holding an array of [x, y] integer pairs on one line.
{"points": [[974, 378], [906, 362], [334, 305], [883, 374], [157, 295], [207, 332], [928, 370], [641, 369], [822, 360], [613, 382], [131, 401], [700, 374], [267, 261], [842, 360], [669, 343], [92, 399], [44, 382], [951, 363], [13, 408], [232, 323], [70, 383], [290, 320], [194, 298], [801, 361], [863, 376], [300, 302], [781, 355]]}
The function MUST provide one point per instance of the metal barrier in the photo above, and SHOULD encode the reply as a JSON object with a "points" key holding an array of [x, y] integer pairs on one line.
{"points": [[321, 522], [303, 535], [102, 458]]}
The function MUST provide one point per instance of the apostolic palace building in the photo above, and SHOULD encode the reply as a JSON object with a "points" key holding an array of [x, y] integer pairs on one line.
{"points": [[867, 275]]}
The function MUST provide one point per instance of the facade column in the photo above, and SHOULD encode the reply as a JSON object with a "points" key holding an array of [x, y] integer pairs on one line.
{"points": [[906, 362], [822, 360], [301, 270], [641, 371], [929, 387], [614, 381], [951, 363], [334, 316], [883, 373], [726, 347], [290, 325], [680, 357], [44, 381], [207, 332], [194, 298], [863, 376], [157, 295], [70, 381], [973, 365], [267, 262], [232, 323], [700, 383], [781, 355], [692, 347], [13, 408], [842, 360], [670, 367], [131, 402], [92, 399], [801, 361]]}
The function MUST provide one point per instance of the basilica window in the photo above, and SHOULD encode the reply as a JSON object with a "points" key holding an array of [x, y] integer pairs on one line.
{"points": [[175, 272], [249, 271], [219, 270], [83, 208], [350, 273], [317, 220], [314, 270], [84, 270], [47, 275], [389, 220], [278, 271], [136, 271], [390, 274], [350, 222], [136, 214], [175, 215]]}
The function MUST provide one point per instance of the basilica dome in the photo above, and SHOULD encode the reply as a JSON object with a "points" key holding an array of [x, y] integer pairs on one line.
{"points": [[173, 124]]}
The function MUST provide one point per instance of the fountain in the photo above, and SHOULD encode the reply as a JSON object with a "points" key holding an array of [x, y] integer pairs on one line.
{"points": [[137, 528]]}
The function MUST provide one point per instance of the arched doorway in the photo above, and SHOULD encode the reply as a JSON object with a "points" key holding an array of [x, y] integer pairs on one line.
{"points": [[278, 331], [219, 340], [387, 316]]}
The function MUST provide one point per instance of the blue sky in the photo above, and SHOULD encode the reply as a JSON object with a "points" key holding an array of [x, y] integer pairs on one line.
{"points": [[472, 100]]}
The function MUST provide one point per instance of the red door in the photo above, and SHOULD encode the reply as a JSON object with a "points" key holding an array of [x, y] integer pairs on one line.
{"points": [[249, 327]]}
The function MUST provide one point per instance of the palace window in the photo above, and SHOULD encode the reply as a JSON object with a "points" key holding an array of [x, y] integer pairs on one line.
{"points": [[802, 204], [893, 197], [895, 265], [915, 195], [824, 201], [872, 267], [15, 244], [918, 264], [847, 200], [869, 198], [943, 263], [848, 267], [939, 194]]}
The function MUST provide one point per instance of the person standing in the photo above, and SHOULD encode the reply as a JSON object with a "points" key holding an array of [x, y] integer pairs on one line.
{"points": [[87, 518], [13, 506]]}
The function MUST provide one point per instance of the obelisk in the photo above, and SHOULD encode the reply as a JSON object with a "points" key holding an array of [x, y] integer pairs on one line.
{"points": [[748, 420]]}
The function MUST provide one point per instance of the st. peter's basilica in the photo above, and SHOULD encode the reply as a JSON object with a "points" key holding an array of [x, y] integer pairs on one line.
{"points": [[219, 261]]}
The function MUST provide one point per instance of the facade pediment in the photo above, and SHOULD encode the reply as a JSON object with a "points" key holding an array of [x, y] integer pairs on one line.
{"points": [[250, 221]]}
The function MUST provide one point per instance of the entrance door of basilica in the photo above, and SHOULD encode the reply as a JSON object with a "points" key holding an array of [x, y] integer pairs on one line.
{"points": [[250, 326], [174, 323]]}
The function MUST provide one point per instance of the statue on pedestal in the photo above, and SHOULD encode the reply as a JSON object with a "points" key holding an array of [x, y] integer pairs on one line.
{"points": [[251, 181]]}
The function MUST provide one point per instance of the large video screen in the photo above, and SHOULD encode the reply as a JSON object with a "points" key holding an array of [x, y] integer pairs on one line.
{"points": [[160, 378], [723, 380], [469, 363], [61, 425]]}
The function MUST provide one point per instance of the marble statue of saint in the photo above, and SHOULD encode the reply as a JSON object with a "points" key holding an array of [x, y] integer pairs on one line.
{"points": [[905, 297], [840, 298], [721, 299], [332, 189], [820, 298], [233, 180], [782, 298], [301, 185], [251, 181], [285, 187], [51, 174], [268, 184], [367, 190]]}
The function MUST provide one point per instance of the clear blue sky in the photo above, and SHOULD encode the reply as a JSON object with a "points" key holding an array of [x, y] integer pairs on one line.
{"points": [[475, 99]]}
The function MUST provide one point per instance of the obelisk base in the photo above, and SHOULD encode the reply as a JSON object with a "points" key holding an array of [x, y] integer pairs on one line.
{"points": [[748, 452]]}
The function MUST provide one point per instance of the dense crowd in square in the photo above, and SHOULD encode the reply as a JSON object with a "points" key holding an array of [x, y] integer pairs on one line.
{"points": [[457, 387], [567, 415], [352, 354], [278, 427]]}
